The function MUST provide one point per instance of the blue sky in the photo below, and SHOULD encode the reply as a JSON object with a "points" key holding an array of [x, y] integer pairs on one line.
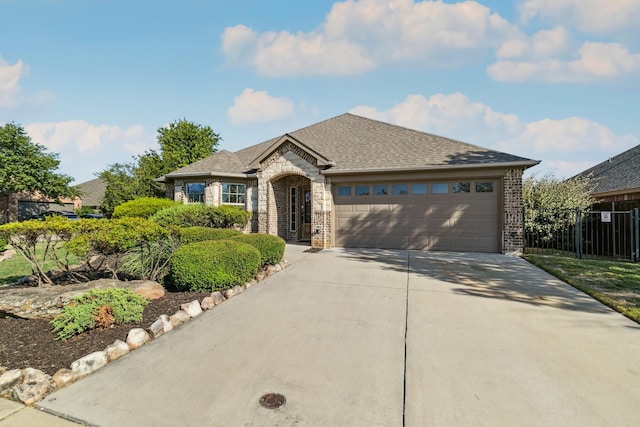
{"points": [[551, 80]]}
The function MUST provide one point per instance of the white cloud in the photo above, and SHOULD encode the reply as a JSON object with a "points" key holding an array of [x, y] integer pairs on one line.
{"points": [[258, 106], [562, 144], [10, 82], [589, 16], [358, 36], [592, 62], [84, 137]]}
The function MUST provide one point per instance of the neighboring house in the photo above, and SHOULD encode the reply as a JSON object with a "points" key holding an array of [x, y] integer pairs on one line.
{"points": [[355, 182], [21, 206], [92, 193], [617, 181]]}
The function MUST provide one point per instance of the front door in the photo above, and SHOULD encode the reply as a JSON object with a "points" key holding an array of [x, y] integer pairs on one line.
{"points": [[306, 215]]}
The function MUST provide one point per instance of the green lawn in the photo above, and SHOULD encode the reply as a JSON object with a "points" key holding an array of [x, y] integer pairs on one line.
{"points": [[13, 269], [614, 283]]}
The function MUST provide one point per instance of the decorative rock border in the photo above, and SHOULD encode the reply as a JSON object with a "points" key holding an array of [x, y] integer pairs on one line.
{"points": [[32, 385]]}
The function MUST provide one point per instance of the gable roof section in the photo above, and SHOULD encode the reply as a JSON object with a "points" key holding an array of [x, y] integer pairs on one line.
{"points": [[222, 163], [92, 192], [617, 174], [351, 144], [356, 143]]}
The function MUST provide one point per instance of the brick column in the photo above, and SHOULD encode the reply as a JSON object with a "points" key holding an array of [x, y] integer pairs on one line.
{"points": [[513, 204]]}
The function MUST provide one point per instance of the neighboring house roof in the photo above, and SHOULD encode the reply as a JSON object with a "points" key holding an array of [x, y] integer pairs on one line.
{"points": [[617, 174], [349, 144], [92, 192]]}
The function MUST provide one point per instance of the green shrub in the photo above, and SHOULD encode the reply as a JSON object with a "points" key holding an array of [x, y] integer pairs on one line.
{"points": [[3, 242], [271, 247], [200, 234], [199, 215], [143, 207], [114, 238], [226, 216], [98, 308], [213, 264], [190, 215]]}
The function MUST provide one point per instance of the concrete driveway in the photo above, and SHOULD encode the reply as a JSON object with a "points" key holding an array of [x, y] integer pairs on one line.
{"points": [[381, 338]]}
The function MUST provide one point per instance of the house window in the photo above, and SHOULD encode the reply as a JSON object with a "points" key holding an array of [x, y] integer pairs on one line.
{"points": [[362, 190], [195, 192], [461, 187], [399, 189], [293, 200], [484, 187], [233, 194], [381, 189], [418, 188], [440, 188], [344, 191]]}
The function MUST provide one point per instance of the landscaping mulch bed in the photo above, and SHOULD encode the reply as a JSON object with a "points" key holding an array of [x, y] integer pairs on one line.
{"points": [[30, 343]]}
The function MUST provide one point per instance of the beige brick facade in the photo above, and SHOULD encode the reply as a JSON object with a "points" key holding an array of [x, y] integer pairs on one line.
{"points": [[513, 210]]}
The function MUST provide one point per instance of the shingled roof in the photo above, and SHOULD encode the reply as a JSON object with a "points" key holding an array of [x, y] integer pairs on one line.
{"points": [[357, 144], [619, 173], [92, 192]]}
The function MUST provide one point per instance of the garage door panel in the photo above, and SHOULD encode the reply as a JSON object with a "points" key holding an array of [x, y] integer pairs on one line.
{"points": [[455, 222]]}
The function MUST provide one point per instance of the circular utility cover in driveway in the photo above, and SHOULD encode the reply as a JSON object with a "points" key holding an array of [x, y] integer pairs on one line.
{"points": [[272, 400]]}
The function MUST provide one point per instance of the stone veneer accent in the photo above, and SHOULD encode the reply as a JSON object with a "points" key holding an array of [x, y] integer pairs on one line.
{"points": [[292, 166], [513, 205]]}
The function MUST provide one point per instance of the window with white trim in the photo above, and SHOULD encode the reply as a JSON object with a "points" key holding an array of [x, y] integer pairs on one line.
{"points": [[293, 200], [233, 194]]}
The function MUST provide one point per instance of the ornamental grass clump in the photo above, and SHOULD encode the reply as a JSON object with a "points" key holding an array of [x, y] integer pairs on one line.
{"points": [[271, 247], [98, 308], [213, 265]]}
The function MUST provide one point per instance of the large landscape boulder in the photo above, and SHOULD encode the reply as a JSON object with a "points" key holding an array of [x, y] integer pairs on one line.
{"points": [[45, 303]]}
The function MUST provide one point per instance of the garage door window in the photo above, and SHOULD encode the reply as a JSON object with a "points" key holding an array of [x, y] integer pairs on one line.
{"points": [[462, 187], [484, 187], [418, 188], [399, 189], [381, 190], [344, 191], [362, 190], [440, 188]]}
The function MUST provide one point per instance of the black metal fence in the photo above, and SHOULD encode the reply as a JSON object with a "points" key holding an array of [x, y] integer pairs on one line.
{"points": [[586, 234]]}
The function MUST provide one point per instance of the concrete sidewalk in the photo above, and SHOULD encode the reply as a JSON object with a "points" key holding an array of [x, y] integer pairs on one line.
{"points": [[380, 338]]}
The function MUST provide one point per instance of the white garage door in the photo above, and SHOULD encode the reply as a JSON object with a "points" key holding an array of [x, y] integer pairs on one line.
{"points": [[446, 215]]}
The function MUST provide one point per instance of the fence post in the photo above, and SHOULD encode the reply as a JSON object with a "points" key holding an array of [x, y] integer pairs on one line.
{"points": [[578, 234]]}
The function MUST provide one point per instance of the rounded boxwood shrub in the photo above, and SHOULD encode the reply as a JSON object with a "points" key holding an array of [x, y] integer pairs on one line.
{"points": [[144, 207], [200, 234], [213, 265], [271, 247]]}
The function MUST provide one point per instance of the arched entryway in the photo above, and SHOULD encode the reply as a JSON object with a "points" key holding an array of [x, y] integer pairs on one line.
{"points": [[291, 201]]}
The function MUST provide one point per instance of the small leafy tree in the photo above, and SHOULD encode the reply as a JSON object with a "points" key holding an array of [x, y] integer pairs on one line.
{"points": [[39, 241], [551, 204], [113, 240]]}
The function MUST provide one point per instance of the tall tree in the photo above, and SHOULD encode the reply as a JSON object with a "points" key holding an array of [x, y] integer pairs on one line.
{"points": [[27, 166], [181, 143], [184, 142]]}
